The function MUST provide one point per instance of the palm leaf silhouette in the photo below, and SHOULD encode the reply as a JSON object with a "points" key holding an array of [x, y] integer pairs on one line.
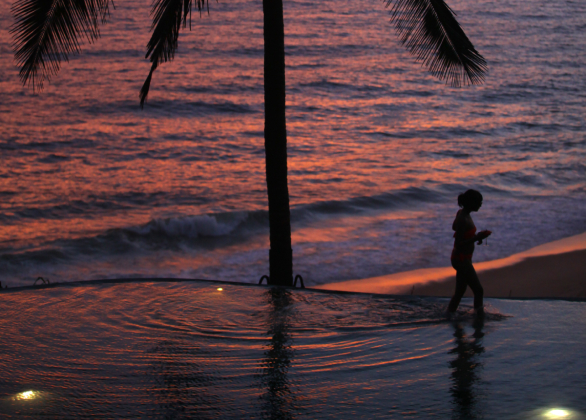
{"points": [[168, 15], [430, 31], [47, 31]]}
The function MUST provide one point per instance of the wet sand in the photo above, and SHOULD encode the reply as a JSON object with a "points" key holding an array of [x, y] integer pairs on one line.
{"points": [[562, 275], [556, 269]]}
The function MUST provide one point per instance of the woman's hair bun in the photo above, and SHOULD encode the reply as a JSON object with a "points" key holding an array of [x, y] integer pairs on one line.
{"points": [[470, 199], [461, 200]]}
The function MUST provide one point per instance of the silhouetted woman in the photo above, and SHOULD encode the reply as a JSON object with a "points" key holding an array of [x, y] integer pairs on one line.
{"points": [[465, 235]]}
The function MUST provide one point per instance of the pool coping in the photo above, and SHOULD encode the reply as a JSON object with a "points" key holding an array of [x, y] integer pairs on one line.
{"points": [[82, 283]]}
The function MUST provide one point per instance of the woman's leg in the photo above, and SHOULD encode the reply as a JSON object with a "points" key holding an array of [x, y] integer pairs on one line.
{"points": [[474, 283], [460, 288]]}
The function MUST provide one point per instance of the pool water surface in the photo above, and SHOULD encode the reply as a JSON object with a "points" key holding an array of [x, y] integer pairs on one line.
{"points": [[189, 350]]}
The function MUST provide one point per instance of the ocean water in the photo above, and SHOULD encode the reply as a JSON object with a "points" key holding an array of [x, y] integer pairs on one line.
{"points": [[188, 350], [93, 187]]}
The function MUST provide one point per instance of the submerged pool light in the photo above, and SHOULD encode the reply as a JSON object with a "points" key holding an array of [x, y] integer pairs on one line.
{"points": [[557, 413], [26, 395]]}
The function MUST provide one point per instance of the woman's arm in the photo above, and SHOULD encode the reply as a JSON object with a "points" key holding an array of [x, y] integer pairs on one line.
{"points": [[478, 237]]}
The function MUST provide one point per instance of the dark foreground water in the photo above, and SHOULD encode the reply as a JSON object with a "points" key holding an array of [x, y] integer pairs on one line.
{"points": [[189, 350]]}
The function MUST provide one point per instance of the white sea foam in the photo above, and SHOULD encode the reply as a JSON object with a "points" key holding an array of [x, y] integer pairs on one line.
{"points": [[192, 226]]}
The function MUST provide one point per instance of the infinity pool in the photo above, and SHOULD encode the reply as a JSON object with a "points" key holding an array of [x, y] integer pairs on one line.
{"points": [[189, 350]]}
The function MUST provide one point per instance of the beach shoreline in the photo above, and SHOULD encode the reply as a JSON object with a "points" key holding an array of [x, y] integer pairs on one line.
{"points": [[552, 270]]}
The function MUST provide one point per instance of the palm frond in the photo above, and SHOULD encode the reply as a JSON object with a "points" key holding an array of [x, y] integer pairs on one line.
{"points": [[168, 16], [430, 31], [46, 32]]}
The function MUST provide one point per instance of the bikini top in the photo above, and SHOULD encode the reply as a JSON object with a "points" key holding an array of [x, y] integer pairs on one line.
{"points": [[469, 234], [459, 255]]}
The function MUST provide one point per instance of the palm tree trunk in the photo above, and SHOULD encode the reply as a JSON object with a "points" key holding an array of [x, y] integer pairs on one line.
{"points": [[280, 254]]}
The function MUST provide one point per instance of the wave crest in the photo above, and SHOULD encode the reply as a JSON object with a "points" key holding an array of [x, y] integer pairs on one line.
{"points": [[192, 226]]}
